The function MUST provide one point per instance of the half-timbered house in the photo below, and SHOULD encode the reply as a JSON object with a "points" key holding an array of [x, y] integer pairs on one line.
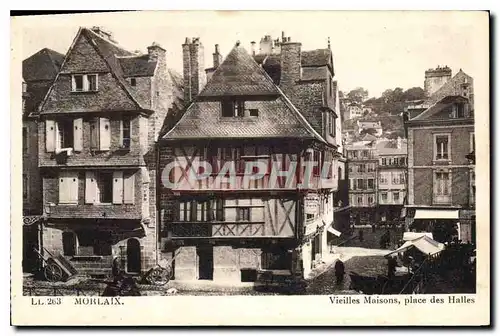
{"points": [[97, 129], [237, 199]]}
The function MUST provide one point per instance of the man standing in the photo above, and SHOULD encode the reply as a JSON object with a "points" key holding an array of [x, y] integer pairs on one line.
{"points": [[339, 271]]}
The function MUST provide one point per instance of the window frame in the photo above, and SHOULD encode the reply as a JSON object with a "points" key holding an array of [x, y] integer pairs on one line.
{"points": [[98, 176], [123, 121], [26, 188], [435, 146], [444, 198], [472, 142], [86, 83]]}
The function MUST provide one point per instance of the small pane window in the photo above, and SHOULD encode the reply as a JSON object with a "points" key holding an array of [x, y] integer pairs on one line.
{"points": [[133, 82]]}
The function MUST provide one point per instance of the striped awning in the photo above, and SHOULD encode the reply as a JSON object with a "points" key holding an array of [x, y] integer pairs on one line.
{"points": [[436, 214], [30, 220]]}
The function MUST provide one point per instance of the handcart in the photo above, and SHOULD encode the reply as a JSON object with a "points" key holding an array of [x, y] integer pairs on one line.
{"points": [[55, 267]]}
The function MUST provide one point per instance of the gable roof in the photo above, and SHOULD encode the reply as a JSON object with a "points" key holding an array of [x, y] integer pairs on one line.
{"points": [[369, 137], [43, 65], [110, 53], [239, 75], [390, 147], [278, 117], [440, 106]]}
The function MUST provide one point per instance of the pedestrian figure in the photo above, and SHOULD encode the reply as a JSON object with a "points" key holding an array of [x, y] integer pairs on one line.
{"points": [[373, 227], [339, 271], [360, 235], [115, 268], [391, 267]]}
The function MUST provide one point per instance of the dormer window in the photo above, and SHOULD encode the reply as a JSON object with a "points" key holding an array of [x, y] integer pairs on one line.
{"points": [[233, 108], [84, 83], [458, 111]]}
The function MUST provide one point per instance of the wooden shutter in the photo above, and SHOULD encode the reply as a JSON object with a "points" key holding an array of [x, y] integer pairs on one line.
{"points": [[104, 134], [94, 134], [50, 135], [78, 134], [117, 187], [90, 188], [64, 192], [73, 187], [128, 189]]}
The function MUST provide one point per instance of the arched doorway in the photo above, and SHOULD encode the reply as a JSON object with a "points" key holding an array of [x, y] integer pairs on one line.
{"points": [[133, 256]]}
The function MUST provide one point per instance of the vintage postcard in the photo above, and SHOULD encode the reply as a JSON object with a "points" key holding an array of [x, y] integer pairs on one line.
{"points": [[309, 168]]}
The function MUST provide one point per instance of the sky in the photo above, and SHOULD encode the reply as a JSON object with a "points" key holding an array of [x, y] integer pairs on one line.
{"points": [[374, 50]]}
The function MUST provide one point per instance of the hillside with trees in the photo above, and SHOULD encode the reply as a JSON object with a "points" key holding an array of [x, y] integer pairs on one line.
{"points": [[387, 108]]}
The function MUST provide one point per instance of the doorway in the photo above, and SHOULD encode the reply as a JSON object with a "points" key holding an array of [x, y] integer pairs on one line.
{"points": [[133, 256], [205, 254]]}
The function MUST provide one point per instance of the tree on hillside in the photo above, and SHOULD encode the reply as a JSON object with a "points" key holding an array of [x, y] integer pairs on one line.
{"points": [[358, 95], [414, 93]]}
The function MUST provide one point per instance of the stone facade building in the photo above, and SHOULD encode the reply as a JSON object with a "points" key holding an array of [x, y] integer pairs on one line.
{"points": [[275, 107], [39, 71], [441, 174], [97, 129], [362, 170], [391, 179]]}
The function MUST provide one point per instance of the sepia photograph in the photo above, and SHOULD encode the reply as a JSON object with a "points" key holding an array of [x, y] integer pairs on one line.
{"points": [[251, 154]]}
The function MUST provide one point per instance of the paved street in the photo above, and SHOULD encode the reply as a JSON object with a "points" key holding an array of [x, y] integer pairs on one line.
{"points": [[360, 260]]}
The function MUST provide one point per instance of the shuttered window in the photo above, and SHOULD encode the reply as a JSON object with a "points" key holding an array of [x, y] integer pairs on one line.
{"points": [[50, 135], [68, 187], [115, 187], [78, 134], [100, 134]]}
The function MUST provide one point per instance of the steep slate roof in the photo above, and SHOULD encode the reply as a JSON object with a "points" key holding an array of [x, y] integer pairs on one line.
{"points": [[239, 75], [277, 118], [137, 66], [439, 106], [42, 68], [121, 62], [43, 65], [109, 51], [389, 147]]}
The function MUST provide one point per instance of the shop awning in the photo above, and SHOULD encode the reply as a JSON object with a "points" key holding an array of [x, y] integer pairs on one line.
{"points": [[424, 244], [436, 214], [333, 231]]}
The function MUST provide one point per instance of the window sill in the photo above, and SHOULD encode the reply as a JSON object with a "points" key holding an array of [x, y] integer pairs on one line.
{"points": [[68, 203], [89, 91], [441, 161]]}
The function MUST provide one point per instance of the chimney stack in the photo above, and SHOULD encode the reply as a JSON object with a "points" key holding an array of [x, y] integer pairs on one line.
{"points": [[252, 48], [290, 65], [217, 57], [193, 68], [156, 52]]}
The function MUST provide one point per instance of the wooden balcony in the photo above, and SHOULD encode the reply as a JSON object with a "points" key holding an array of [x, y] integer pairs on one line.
{"points": [[211, 230]]}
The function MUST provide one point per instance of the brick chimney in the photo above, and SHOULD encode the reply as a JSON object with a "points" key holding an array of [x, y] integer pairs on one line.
{"points": [[290, 64], [156, 53], [193, 68], [217, 57]]}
